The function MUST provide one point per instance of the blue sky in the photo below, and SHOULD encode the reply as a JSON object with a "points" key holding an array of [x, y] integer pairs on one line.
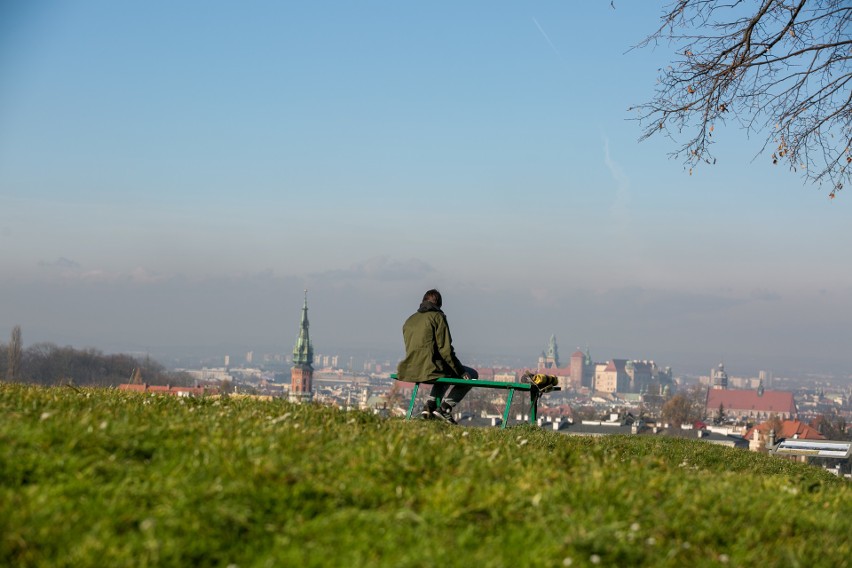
{"points": [[174, 174]]}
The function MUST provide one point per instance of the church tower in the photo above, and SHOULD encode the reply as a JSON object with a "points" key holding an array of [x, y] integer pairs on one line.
{"points": [[552, 353], [719, 378], [302, 373], [549, 359]]}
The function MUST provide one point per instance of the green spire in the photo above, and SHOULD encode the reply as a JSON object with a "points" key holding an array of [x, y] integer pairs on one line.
{"points": [[303, 352], [553, 351]]}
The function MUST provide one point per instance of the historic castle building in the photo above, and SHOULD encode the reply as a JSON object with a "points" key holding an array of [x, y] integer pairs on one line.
{"points": [[582, 370], [614, 376], [549, 359], [302, 373], [548, 362]]}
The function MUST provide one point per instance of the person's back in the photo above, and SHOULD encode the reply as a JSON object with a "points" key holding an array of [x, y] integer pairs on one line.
{"points": [[429, 352], [429, 355]]}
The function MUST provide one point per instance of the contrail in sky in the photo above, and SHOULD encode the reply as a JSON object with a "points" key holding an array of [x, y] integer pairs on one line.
{"points": [[546, 37], [622, 182]]}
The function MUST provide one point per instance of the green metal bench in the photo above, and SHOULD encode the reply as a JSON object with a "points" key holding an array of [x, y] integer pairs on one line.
{"points": [[532, 388]]}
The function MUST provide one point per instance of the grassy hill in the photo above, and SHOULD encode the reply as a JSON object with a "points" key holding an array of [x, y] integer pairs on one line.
{"points": [[104, 478]]}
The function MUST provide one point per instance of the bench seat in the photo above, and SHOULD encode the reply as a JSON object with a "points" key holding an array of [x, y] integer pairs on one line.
{"points": [[532, 388]]}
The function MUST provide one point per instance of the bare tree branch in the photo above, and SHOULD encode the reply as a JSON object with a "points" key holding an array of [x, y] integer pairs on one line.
{"points": [[780, 68]]}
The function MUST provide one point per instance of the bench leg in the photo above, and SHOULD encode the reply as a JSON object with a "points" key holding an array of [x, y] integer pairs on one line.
{"points": [[411, 404], [533, 407], [508, 405]]}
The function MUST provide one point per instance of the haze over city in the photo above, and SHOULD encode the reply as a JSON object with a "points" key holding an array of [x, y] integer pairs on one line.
{"points": [[173, 176]]}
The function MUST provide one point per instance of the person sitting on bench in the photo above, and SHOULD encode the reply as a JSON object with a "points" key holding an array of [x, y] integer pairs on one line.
{"points": [[429, 355]]}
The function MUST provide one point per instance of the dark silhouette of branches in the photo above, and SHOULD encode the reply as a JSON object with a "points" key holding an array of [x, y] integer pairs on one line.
{"points": [[13, 367], [49, 364], [780, 68], [684, 408]]}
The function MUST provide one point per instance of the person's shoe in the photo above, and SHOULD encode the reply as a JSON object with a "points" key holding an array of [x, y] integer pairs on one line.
{"points": [[428, 409], [445, 413]]}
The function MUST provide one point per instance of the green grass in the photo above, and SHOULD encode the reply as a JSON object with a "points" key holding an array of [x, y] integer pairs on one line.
{"points": [[104, 478]]}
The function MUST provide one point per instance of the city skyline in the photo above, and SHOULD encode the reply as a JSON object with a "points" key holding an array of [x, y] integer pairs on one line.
{"points": [[173, 176]]}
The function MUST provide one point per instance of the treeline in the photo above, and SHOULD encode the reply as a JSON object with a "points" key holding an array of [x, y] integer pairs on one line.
{"points": [[49, 364]]}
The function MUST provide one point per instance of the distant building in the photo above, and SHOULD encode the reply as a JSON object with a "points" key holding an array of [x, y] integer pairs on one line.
{"points": [[629, 425], [731, 441], [719, 378], [743, 382], [504, 376], [582, 370], [641, 374], [212, 374], [302, 373], [615, 376], [762, 434], [548, 362], [168, 389], [756, 404], [612, 376], [549, 359]]}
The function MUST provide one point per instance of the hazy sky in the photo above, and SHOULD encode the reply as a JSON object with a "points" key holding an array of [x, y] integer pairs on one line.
{"points": [[176, 173]]}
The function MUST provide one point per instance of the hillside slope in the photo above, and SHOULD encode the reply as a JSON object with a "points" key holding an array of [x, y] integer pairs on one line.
{"points": [[105, 478]]}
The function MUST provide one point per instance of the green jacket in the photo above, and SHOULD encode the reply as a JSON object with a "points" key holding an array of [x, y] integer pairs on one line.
{"points": [[429, 350]]}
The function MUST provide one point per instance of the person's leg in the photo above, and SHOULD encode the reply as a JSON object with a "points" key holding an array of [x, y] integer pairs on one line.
{"points": [[455, 395], [431, 404], [429, 407], [438, 391], [458, 392]]}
